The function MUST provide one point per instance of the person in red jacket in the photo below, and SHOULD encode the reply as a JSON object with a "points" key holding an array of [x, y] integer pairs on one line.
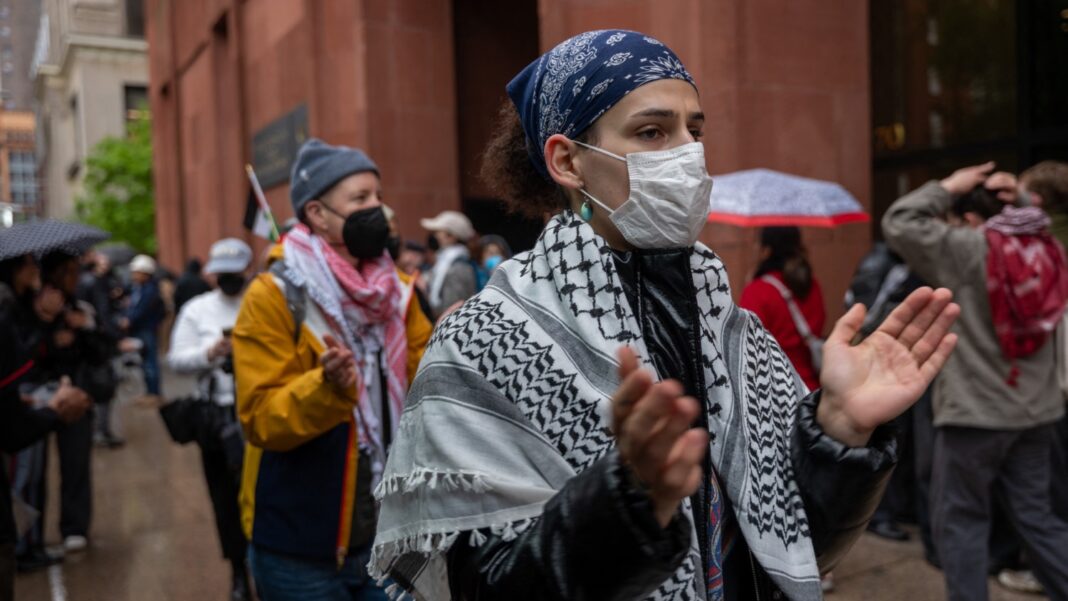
{"points": [[785, 275]]}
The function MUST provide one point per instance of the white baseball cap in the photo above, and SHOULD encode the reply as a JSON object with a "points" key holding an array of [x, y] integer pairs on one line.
{"points": [[143, 264], [452, 222], [229, 255]]}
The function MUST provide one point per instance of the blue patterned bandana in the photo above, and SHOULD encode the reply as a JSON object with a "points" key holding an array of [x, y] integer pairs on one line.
{"points": [[568, 88]]}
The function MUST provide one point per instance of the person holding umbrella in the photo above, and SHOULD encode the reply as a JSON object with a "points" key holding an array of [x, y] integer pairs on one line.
{"points": [[21, 423], [787, 298], [22, 311], [70, 346]]}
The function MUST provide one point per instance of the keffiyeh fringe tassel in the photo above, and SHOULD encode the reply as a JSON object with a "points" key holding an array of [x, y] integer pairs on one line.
{"points": [[383, 556], [432, 479]]}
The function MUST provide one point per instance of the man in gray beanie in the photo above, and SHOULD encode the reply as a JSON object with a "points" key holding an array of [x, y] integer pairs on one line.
{"points": [[322, 349], [320, 166]]}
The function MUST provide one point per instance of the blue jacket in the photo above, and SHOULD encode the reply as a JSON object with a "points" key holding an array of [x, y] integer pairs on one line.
{"points": [[146, 309]]}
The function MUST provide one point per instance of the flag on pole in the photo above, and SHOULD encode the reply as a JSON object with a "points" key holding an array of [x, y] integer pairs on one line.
{"points": [[258, 217]]}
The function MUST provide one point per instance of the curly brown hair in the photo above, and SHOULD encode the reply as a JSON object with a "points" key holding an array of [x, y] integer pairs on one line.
{"points": [[1048, 179], [509, 173]]}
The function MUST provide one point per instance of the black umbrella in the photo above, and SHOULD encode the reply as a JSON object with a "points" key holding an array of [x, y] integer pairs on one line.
{"points": [[118, 254], [48, 235]]}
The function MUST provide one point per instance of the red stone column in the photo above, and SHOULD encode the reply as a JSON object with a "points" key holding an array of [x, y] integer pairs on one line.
{"points": [[410, 98], [170, 233]]}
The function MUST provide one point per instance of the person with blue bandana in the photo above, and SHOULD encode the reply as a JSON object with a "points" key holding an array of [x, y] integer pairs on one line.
{"points": [[602, 421]]}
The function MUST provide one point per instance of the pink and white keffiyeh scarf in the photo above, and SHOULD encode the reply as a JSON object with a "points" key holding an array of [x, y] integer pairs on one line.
{"points": [[363, 308]]}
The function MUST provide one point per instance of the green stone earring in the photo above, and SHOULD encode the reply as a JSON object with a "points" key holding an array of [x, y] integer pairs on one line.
{"points": [[586, 211]]}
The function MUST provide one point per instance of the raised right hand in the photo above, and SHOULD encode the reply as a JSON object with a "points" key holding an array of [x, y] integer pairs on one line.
{"points": [[1003, 184], [69, 402], [656, 440], [964, 179], [339, 364]]}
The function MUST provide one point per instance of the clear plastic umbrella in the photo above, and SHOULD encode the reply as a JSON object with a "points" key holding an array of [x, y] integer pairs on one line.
{"points": [[762, 197], [48, 235]]}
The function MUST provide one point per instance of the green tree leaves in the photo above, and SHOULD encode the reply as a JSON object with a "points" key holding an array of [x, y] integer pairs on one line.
{"points": [[118, 195]]}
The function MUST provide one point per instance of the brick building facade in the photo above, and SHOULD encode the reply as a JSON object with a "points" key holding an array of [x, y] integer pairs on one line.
{"points": [[417, 83]]}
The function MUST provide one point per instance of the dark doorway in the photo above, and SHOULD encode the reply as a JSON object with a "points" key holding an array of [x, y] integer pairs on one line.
{"points": [[494, 41], [958, 83]]}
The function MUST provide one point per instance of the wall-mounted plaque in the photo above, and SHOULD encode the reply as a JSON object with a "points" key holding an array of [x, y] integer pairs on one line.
{"points": [[274, 147]]}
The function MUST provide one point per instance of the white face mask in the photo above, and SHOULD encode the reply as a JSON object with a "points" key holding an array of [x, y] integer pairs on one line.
{"points": [[669, 196]]}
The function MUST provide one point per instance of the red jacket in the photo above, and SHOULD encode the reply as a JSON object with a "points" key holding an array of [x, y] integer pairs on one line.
{"points": [[763, 299]]}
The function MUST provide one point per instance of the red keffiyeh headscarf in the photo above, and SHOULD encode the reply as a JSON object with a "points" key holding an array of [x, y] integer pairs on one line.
{"points": [[1027, 280]]}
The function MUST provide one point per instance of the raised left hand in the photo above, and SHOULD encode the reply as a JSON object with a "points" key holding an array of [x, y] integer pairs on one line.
{"points": [[875, 381]]}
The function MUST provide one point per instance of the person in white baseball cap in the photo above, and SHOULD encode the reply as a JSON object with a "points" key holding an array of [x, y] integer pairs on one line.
{"points": [[143, 316], [200, 346], [454, 224], [453, 279], [229, 256], [144, 265]]}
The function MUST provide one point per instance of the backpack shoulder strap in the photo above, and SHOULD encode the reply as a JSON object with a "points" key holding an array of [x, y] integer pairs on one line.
{"points": [[795, 312], [295, 299]]}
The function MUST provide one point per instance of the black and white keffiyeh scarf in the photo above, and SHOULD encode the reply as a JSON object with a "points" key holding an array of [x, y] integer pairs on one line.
{"points": [[511, 401]]}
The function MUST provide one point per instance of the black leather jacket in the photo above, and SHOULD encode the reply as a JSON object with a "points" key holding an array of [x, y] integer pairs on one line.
{"points": [[20, 425], [597, 538], [877, 285]]}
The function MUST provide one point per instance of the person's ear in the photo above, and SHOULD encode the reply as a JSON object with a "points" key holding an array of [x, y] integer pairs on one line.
{"points": [[561, 156], [973, 219], [313, 213]]}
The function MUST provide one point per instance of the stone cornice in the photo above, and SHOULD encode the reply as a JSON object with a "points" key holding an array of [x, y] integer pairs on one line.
{"points": [[80, 42]]}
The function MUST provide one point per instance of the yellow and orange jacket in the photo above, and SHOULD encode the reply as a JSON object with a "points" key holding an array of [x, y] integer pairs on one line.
{"points": [[298, 483]]}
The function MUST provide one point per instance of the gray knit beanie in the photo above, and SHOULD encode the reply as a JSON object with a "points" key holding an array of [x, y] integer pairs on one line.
{"points": [[319, 166]]}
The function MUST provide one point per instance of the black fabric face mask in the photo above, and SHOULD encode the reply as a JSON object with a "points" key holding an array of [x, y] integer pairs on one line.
{"points": [[393, 245], [365, 233], [231, 284]]}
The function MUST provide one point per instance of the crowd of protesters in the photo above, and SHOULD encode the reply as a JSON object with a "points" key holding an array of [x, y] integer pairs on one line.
{"points": [[66, 318], [378, 415], [982, 467]]}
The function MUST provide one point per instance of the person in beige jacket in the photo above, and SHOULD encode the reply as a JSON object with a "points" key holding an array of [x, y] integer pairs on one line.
{"points": [[993, 437]]}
